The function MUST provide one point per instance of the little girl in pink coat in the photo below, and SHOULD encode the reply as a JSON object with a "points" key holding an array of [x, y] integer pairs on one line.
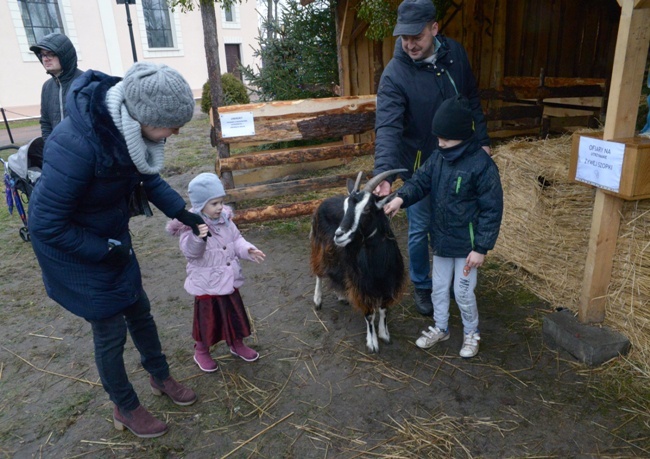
{"points": [[213, 272]]}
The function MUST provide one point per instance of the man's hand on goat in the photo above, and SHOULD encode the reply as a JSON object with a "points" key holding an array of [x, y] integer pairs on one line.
{"points": [[383, 189]]}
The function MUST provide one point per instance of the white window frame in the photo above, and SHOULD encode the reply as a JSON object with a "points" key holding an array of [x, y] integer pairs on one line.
{"points": [[176, 51], [236, 17], [23, 44]]}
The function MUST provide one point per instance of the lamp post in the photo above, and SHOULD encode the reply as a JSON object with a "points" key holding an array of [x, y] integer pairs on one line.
{"points": [[130, 24]]}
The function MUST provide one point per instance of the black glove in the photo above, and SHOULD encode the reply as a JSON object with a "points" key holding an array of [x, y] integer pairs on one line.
{"points": [[118, 256], [191, 220]]}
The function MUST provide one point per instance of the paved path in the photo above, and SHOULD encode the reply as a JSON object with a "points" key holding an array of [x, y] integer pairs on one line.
{"points": [[20, 135]]}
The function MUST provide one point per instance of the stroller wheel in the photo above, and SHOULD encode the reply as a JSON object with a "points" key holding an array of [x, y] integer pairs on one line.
{"points": [[24, 234]]}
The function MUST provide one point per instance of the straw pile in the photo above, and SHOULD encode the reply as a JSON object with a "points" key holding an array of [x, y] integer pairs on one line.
{"points": [[545, 234]]}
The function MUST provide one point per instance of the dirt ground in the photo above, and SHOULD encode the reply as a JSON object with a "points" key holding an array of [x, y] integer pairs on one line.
{"points": [[315, 392]]}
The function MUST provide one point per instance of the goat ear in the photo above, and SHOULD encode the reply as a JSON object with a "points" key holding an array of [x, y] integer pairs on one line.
{"points": [[350, 186], [354, 186], [380, 204]]}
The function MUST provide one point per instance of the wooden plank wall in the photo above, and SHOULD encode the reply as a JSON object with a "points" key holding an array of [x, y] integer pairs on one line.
{"points": [[568, 38]]}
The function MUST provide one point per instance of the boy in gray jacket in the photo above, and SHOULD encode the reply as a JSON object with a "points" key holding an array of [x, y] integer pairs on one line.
{"points": [[466, 207]]}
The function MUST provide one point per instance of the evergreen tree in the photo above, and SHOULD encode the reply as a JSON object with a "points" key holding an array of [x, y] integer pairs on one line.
{"points": [[299, 59]]}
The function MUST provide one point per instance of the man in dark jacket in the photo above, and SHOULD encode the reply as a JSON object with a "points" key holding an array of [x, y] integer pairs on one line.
{"points": [[426, 69], [111, 142], [59, 58]]}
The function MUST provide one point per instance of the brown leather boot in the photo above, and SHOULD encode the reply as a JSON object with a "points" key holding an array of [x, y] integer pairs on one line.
{"points": [[180, 394], [139, 421]]}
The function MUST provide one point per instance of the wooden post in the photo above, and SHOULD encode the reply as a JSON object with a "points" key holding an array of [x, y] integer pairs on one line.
{"points": [[627, 76]]}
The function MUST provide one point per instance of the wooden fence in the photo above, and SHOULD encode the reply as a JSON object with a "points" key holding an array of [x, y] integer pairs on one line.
{"points": [[543, 105], [529, 106], [349, 119]]}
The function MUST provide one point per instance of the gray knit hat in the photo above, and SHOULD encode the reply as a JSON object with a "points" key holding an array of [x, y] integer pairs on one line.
{"points": [[157, 95], [203, 188]]}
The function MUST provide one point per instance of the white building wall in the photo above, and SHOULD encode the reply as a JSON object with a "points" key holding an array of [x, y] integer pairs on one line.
{"points": [[100, 33]]}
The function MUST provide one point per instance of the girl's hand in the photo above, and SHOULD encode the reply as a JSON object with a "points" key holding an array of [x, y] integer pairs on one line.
{"points": [[256, 255], [203, 231], [393, 206]]}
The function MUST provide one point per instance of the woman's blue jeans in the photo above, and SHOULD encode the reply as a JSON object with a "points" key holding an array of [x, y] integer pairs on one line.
{"points": [[109, 336], [419, 217]]}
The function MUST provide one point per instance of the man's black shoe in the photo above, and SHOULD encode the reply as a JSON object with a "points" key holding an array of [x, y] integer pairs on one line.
{"points": [[423, 302]]}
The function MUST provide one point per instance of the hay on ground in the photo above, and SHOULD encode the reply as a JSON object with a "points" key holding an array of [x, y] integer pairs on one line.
{"points": [[545, 234]]}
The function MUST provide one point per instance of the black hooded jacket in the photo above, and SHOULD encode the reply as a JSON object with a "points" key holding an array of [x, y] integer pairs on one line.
{"points": [[55, 89], [408, 96], [466, 199]]}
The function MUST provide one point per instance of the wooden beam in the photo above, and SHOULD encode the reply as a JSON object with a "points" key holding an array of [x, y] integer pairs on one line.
{"points": [[627, 76], [301, 108], [293, 156], [306, 119], [293, 187], [637, 3], [346, 24], [262, 214]]}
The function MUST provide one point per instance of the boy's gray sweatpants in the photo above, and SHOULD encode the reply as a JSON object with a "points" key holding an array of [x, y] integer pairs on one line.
{"points": [[444, 270]]}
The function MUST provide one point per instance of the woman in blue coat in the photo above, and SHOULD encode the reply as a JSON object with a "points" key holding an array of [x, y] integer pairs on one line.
{"points": [[110, 143]]}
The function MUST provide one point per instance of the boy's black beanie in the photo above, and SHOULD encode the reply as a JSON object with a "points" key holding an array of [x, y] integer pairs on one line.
{"points": [[453, 120]]}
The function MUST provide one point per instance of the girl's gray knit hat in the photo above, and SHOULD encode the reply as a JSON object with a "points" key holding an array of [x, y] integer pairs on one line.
{"points": [[203, 188], [157, 95]]}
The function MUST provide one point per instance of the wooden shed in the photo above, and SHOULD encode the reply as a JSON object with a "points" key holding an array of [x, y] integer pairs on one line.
{"points": [[503, 38]]}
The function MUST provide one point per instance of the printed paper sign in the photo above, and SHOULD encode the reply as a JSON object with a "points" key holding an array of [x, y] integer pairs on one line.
{"points": [[237, 124], [600, 163]]}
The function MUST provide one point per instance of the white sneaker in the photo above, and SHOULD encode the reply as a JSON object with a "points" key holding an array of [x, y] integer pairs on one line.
{"points": [[470, 345], [431, 337]]}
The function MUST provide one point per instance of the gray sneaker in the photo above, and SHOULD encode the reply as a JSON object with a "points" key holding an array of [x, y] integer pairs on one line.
{"points": [[431, 337], [423, 302]]}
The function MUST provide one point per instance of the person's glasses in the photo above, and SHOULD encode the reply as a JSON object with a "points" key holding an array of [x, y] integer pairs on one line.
{"points": [[47, 55]]}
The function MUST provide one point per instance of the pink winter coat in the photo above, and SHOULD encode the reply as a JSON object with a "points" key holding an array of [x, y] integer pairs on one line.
{"points": [[212, 266]]}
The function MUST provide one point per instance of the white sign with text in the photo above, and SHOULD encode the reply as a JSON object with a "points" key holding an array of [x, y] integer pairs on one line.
{"points": [[237, 124], [600, 163]]}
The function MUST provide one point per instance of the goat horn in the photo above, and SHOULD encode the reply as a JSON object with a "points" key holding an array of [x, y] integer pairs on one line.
{"points": [[356, 184], [377, 179]]}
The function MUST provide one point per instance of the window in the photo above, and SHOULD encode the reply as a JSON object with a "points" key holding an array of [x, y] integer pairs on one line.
{"points": [[227, 12], [230, 16], [40, 17], [158, 24]]}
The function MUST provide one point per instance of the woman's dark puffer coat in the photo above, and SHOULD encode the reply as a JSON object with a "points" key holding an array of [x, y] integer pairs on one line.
{"points": [[81, 201]]}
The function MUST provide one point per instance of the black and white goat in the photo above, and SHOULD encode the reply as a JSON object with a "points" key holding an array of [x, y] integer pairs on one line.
{"points": [[353, 246]]}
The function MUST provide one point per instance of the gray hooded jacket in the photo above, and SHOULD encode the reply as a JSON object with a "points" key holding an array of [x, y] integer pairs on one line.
{"points": [[55, 89]]}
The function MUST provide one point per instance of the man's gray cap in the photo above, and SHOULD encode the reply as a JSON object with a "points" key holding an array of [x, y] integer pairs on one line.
{"points": [[413, 15]]}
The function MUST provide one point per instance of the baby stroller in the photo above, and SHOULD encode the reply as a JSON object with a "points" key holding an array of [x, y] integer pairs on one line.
{"points": [[22, 170]]}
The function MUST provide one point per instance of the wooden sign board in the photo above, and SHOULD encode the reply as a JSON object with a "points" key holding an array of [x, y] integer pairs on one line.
{"points": [[635, 173]]}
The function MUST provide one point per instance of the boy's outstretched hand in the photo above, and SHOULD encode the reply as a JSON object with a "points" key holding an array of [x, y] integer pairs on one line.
{"points": [[393, 206], [256, 255]]}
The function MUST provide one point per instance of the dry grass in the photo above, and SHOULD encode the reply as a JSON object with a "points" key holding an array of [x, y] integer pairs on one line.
{"points": [[545, 234]]}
